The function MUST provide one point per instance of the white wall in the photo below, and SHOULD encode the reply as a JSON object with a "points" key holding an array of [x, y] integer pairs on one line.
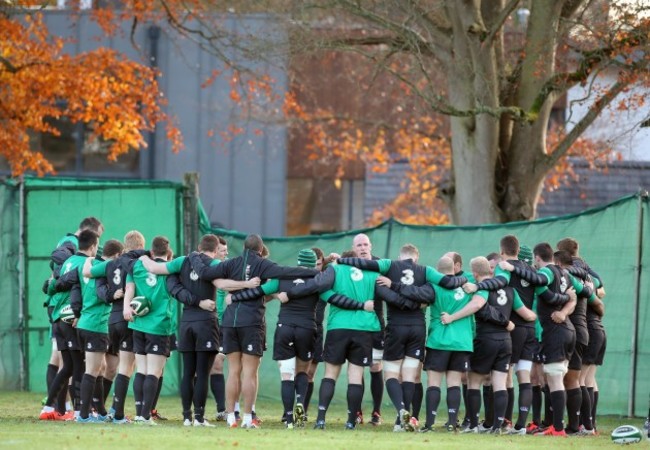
{"points": [[619, 128]]}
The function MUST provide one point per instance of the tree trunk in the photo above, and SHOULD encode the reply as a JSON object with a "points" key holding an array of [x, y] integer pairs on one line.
{"points": [[472, 79], [473, 144], [525, 156]]}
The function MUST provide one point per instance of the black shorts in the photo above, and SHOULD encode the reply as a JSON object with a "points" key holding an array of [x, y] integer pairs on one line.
{"points": [[348, 345], [198, 336], [491, 354], [66, 337], [150, 344], [120, 338], [249, 340], [524, 344], [93, 342], [445, 360], [378, 339], [318, 346], [575, 363], [595, 351], [290, 341], [558, 344], [404, 340]]}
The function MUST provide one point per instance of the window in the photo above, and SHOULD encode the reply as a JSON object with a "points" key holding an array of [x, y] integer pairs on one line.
{"points": [[75, 152]]}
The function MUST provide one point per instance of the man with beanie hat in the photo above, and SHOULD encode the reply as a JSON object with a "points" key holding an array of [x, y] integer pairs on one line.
{"points": [[351, 322], [536, 374], [525, 254], [294, 338], [307, 258]]}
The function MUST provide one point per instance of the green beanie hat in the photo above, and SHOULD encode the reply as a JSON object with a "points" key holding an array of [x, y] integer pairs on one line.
{"points": [[307, 258], [525, 254]]}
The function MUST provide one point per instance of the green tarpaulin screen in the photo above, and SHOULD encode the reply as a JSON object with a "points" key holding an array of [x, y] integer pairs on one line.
{"points": [[610, 238], [50, 209], [36, 217]]}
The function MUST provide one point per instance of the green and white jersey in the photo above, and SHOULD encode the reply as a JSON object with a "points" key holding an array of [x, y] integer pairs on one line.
{"points": [[94, 311], [174, 266], [458, 336], [160, 319], [359, 285], [499, 272], [61, 299]]}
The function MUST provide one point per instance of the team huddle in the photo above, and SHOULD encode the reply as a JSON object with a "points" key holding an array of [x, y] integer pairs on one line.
{"points": [[535, 314]]}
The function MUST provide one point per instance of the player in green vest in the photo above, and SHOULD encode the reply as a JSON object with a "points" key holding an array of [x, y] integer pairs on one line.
{"points": [[349, 331], [92, 329], [151, 332], [492, 346], [447, 349], [67, 339]]}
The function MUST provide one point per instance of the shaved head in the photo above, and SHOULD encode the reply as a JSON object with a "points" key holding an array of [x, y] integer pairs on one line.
{"points": [[446, 265], [362, 247]]}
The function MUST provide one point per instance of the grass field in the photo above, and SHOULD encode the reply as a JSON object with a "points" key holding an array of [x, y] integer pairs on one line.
{"points": [[20, 429]]}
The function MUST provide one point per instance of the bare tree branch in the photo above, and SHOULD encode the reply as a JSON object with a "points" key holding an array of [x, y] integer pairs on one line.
{"points": [[496, 27], [565, 144], [11, 68], [591, 60], [440, 35], [134, 27], [408, 34], [571, 6]]}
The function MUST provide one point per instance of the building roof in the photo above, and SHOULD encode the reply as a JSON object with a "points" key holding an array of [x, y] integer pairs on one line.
{"points": [[590, 188], [595, 187]]}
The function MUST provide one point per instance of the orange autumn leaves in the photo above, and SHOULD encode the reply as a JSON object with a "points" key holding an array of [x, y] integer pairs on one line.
{"points": [[417, 143], [118, 98]]}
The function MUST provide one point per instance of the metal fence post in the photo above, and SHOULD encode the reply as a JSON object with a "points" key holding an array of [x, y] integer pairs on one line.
{"points": [[642, 196], [190, 212]]}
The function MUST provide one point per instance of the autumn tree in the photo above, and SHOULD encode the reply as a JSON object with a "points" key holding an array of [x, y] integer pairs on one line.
{"points": [[499, 87], [117, 98], [493, 69]]}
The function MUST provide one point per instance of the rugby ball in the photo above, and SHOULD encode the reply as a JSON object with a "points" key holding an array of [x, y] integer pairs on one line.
{"points": [[66, 315], [140, 305], [627, 434]]}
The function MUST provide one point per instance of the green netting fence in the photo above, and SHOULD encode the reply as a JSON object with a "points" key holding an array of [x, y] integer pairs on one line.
{"points": [[38, 212], [611, 237], [35, 215]]}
